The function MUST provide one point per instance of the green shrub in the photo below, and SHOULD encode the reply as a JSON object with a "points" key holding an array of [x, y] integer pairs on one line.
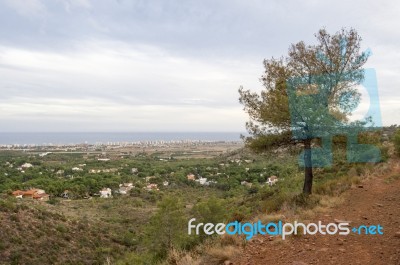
{"points": [[8, 205], [53, 201], [274, 203]]}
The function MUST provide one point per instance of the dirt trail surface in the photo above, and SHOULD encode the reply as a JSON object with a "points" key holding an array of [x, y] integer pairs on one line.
{"points": [[374, 202]]}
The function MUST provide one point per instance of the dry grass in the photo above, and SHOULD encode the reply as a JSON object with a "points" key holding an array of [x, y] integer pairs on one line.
{"points": [[180, 257], [216, 256], [392, 178], [266, 218], [211, 254]]}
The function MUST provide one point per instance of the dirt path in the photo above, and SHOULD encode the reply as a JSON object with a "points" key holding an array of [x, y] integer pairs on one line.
{"points": [[376, 202]]}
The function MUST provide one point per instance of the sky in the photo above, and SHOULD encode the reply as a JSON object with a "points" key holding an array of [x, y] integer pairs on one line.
{"points": [[162, 65]]}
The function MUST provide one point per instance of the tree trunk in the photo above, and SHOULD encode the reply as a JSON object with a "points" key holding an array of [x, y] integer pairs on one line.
{"points": [[308, 172]]}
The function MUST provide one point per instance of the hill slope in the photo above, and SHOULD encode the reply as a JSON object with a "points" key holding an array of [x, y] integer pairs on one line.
{"points": [[30, 233], [376, 201]]}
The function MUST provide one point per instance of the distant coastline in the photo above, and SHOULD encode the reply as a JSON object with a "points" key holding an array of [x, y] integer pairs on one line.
{"points": [[66, 138]]}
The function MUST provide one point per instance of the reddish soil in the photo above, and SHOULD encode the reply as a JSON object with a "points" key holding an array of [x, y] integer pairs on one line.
{"points": [[376, 202]]}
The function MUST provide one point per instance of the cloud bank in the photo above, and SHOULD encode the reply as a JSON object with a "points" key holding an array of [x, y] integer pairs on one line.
{"points": [[84, 65]]}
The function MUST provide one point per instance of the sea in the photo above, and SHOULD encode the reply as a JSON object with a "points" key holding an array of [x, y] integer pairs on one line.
{"points": [[71, 138]]}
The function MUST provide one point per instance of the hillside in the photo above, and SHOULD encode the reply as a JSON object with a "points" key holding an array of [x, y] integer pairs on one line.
{"points": [[376, 201], [32, 234]]}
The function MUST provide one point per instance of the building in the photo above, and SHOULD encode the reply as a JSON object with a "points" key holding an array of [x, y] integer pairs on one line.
{"points": [[65, 194], [36, 194], [150, 187], [105, 193], [272, 180], [26, 165], [41, 197], [201, 180], [191, 177], [125, 188]]}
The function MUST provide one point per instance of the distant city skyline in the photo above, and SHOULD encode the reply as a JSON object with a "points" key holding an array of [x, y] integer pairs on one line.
{"points": [[138, 66], [26, 138]]}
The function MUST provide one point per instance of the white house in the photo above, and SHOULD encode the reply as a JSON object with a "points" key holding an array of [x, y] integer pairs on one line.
{"points": [[105, 193], [125, 188], [201, 180], [26, 165], [152, 186], [210, 182]]}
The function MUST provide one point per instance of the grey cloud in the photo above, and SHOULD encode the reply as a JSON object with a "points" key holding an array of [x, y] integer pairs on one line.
{"points": [[182, 54]]}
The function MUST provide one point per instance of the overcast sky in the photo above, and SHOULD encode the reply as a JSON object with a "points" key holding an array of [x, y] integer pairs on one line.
{"points": [[143, 65]]}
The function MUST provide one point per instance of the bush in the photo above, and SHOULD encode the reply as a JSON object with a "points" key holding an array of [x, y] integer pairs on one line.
{"points": [[166, 228], [53, 201], [8, 206], [274, 203], [305, 201], [335, 187], [212, 210], [396, 141]]}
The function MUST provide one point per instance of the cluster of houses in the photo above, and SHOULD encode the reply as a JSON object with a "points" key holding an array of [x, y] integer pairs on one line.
{"points": [[200, 180], [36, 194], [152, 186], [107, 170], [23, 167], [125, 188], [270, 182], [239, 161]]}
